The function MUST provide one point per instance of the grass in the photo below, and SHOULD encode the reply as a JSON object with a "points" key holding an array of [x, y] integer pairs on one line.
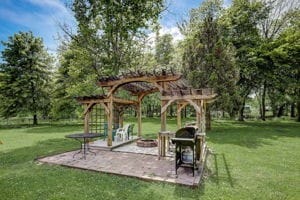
{"points": [[250, 160]]}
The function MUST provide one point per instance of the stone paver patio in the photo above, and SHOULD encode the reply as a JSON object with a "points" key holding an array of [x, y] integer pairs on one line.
{"points": [[129, 164]]}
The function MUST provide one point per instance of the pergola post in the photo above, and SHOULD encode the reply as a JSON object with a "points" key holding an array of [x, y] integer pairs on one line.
{"points": [[163, 117], [199, 114], [86, 120], [139, 115], [178, 116], [203, 119], [110, 122]]}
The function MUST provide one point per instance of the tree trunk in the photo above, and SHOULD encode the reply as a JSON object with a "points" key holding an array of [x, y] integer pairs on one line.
{"points": [[263, 102], [35, 120], [293, 110], [208, 119], [298, 111], [274, 111], [260, 108], [232, 114], [241, 110], [280, 110]]}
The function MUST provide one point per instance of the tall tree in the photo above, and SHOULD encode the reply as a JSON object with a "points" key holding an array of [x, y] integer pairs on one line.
{"points": [[285, 55], [26, 73], [164, 49], [244, 17], [108, 29], [207, 58], [279, 14], [63, 104]]}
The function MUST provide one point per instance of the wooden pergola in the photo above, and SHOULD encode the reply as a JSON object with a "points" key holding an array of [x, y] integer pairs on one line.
{"points": [[170, 85]]}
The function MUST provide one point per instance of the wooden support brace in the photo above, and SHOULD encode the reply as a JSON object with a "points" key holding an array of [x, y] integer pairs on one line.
{"points": [[105, 107], [194, 105], [88, 108], [165, 107]]}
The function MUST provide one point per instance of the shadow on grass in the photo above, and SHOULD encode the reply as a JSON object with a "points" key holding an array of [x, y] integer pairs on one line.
{"points": [[251, 134], [217, 170]]}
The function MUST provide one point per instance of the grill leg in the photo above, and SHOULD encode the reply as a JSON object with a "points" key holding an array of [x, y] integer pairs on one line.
{"points": [[193, 160]]}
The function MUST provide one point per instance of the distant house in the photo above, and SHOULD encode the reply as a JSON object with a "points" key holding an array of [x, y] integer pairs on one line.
{"points": [[247, 111]]}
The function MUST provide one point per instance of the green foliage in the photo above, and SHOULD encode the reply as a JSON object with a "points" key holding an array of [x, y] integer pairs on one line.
{"points": [[242, 19], [25, 76], [74, 77], [108, 29], [164, 50], [207, 58], [286, 60], [272, 78]]}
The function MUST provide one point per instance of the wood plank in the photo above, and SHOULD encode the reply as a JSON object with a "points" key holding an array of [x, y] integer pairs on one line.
{"points": [[163, 118], [110, 122], [86, 121], [164, 109], [149, 79], [191, 97], [178, 116], [197, 108], [139, 115]]}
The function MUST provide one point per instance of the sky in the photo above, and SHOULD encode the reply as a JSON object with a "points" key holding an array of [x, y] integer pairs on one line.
{"points": [[43, 17]]}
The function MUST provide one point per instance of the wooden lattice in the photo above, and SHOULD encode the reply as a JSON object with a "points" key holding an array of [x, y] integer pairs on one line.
{"points": [[97, 120]]}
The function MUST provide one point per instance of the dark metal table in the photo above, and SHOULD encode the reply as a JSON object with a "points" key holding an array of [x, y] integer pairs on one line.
{"points": [[83, 138]]}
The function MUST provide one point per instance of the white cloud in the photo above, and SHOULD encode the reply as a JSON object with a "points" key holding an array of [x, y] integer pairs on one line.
{"points": [[49, 3], [43, 21], [227, 3], [174, 31], [57, 9]]}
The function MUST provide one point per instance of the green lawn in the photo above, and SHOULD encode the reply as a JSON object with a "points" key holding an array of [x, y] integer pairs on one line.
{"points": [[251, 160]]}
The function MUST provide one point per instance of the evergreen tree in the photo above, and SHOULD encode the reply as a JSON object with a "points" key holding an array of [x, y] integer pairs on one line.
{"points": [[25, 76], [164, 50], [207, 58]]}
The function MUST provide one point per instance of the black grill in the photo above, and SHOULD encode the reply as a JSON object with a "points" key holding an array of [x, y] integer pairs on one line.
{"points": [[185, 143]]}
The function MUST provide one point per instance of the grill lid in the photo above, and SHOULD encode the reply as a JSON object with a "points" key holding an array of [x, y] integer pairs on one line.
{"points": [[186, 132]]}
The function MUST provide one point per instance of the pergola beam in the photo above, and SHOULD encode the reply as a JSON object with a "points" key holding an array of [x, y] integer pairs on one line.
{"points": [[190, 97], [124, 101], [149, 79]]}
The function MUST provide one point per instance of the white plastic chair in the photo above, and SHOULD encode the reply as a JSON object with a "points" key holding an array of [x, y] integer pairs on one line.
{"points": [[122, 133]]}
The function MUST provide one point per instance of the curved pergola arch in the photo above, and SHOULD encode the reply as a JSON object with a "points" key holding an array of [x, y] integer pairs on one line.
{"points": [[157, 82]]}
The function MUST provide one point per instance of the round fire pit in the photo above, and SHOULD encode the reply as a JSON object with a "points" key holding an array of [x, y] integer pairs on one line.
{"points": [[146, 143]]}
